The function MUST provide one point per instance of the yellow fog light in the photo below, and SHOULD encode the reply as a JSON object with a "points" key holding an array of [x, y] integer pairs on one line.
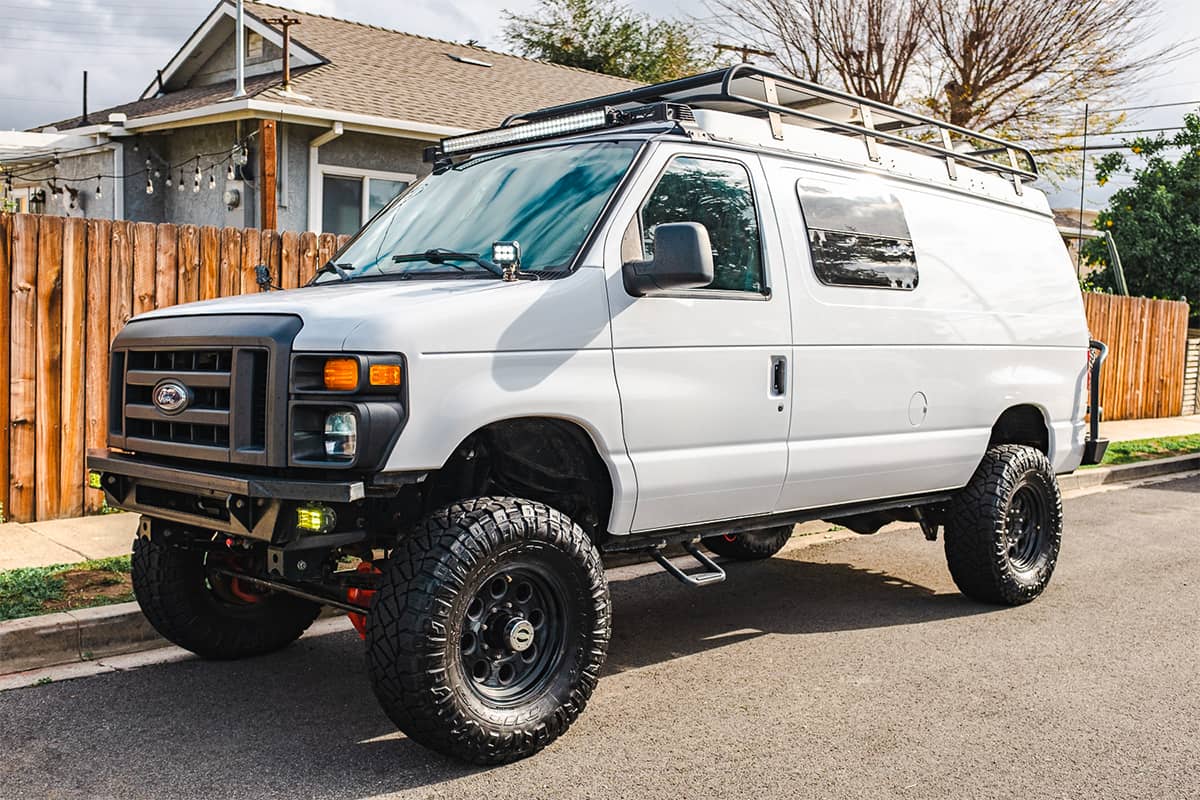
{"points": [[93, 480], [315, 518], [341, 374]]}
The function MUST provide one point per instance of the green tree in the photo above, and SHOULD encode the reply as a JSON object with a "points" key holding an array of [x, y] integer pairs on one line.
{"points": [[1156, 220], [605, 36]]}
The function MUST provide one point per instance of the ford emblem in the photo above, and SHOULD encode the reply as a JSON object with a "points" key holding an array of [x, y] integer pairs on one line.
{"points": [[171, 397]]}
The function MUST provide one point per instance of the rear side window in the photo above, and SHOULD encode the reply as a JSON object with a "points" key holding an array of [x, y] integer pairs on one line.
{"points": [[717, 195], [857, 237]]}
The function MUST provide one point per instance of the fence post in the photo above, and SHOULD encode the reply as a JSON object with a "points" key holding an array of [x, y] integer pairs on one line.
{"points": [[6, 222], [23, 368], [48, 437], [98, 336], [74, 301]]}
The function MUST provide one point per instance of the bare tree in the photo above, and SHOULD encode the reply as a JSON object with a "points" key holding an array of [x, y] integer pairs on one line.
{"points": [[1014, 65], [1020, 68], [868, 46]]}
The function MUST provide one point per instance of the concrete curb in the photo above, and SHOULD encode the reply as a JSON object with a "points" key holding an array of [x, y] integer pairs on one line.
{"points": [[79, 636], [1123, 473], [49, 639]]}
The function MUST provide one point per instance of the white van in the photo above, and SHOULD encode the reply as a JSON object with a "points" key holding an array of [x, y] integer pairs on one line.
{"points": [[697, 312]]}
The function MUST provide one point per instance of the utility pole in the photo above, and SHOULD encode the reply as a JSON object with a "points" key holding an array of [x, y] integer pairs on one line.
{"points": [[286, 23], [1082, 181], [745, 49], [240, 51]]}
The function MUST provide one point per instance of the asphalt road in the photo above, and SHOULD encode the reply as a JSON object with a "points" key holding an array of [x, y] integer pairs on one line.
{"points": [[851, 669]]}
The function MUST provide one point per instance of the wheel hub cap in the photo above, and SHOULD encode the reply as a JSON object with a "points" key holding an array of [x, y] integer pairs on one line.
{"points": [[518, 635]]}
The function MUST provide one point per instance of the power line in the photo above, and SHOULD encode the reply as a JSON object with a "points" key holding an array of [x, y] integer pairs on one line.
{"points": [[1143, 108]]}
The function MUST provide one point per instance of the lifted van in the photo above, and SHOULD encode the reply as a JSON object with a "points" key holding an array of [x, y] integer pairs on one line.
{"points": [[694, 313]]}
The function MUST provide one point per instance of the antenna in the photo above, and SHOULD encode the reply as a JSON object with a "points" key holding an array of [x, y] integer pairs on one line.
{"points": [[286, 23], [84, 120], [745, 49]]}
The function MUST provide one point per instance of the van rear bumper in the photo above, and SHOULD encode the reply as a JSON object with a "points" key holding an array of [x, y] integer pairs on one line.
{"points": [[245, 505]]}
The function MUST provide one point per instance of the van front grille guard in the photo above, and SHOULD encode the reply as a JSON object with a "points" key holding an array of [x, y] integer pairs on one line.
{"points": [[1094, 447]]}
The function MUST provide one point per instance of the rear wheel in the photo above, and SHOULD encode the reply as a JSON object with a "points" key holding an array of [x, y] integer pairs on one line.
{"points": [[489, 628], [750, 545], [185, 594], [1004, 528]]}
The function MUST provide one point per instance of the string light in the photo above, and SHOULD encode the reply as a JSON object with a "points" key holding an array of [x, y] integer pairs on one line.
{"points": [[181, 179], [168, 179], [196, 179], [212, 177], [99, 190], [230, 174], [149, 186]]}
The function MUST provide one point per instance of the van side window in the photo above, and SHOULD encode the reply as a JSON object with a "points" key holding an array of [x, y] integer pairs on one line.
{"points": [[857, 237], [717, 195]]}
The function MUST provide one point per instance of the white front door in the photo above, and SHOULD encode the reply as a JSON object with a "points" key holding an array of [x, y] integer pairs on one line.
{"points": [[704, 375]]}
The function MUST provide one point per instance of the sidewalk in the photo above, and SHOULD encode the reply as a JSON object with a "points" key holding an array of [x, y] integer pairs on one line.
{"points": [[64, 541], [1125, 430]]}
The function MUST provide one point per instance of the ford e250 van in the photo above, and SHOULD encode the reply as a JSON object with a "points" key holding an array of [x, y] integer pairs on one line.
{"points": [[690, 314]]}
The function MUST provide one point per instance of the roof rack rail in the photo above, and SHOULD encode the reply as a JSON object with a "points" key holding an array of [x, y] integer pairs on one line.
{"points": [[750, 90]]}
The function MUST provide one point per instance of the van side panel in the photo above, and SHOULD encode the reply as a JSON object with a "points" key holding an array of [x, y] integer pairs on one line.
{"points": [[896, 391]]}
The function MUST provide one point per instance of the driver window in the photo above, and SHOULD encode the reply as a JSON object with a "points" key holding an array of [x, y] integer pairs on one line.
{"points": [[717, 195]]}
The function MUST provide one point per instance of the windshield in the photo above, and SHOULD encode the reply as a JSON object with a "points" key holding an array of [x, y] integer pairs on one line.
{"points": [[547, 199]]}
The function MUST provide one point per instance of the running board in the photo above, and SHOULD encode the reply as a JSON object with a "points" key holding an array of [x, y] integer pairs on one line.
{"points": [[712, 574]]}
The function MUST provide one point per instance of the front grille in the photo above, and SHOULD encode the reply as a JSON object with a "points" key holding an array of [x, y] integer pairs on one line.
{"points": [[230, 404], [207, 427]]}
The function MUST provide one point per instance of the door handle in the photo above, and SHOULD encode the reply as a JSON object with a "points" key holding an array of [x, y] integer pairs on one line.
{"points": [[778, 376]]}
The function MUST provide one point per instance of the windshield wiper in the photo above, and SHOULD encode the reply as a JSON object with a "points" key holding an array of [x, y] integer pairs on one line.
{"points": [[329, 266], [441, 256]]}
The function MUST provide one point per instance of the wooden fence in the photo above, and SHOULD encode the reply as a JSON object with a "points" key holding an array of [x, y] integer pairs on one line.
{"points": [[68, 287], [1147, 341]]}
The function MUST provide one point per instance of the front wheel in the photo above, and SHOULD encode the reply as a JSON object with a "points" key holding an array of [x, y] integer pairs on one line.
{"points": [[489, 629], [1004, 528], [186, 593]]}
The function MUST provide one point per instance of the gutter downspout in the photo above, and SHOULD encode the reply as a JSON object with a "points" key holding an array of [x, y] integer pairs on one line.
{"points": [[240, 51], [118, 180], [314, 176]]}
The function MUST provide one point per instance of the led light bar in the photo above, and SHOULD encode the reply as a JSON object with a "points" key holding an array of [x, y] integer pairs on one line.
{"points": [[572, 123]]}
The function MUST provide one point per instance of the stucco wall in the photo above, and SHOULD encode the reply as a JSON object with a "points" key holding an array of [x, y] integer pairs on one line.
{"points": [[166, 151], [69, 172]]}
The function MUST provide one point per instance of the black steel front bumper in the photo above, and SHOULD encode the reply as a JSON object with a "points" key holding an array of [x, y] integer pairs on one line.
{"points": [[246, 505]]}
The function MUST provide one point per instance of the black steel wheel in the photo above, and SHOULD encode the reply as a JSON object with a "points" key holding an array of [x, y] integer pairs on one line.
{"points": [[186, 593], [487, 633], [1004, 528], [750, 545]]}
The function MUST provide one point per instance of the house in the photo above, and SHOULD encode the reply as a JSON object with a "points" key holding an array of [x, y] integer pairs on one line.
{"points": [[333, 124]]}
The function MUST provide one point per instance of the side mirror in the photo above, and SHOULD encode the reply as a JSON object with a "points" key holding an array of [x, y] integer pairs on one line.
{"points": [[682, 260]]}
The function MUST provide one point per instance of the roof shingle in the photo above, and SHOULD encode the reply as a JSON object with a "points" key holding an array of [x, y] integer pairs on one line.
{"points": [[402, 76]]}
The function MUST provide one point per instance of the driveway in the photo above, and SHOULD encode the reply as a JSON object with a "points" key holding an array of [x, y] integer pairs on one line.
{"points": [[848, 669]]}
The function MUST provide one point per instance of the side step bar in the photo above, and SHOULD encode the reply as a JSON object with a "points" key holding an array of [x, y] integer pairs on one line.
{"points": [[712, 571]]}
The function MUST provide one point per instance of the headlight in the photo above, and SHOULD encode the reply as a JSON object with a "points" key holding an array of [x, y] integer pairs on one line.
{"points": [[341, 435]]}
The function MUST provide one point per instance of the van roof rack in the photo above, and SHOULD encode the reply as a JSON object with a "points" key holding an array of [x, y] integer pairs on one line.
{"points": [[753, 91]]}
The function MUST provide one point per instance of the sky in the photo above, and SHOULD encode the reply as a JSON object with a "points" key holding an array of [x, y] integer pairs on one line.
{"points": [[46, 44]]}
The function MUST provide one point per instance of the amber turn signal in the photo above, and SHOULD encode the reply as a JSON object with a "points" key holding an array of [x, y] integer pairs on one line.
{"points": [[385, 375], [341, 374]]}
